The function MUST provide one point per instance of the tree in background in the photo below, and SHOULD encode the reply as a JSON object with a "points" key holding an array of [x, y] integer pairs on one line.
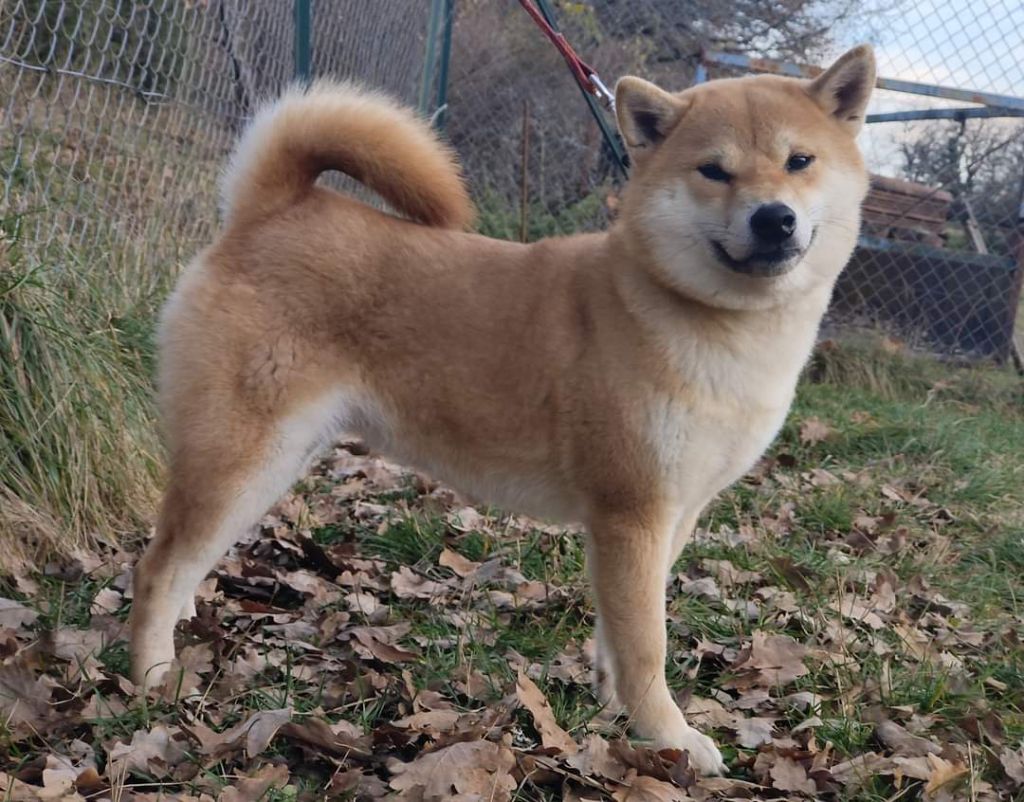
{"points": [[982, 164], [501, 61], [674, 30]]}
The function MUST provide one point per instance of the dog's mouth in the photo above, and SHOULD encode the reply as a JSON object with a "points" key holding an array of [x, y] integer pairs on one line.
{"points": [[766, 263]]}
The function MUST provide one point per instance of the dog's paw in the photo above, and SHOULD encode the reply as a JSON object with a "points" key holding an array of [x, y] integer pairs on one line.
{"points": [[704, 755]]}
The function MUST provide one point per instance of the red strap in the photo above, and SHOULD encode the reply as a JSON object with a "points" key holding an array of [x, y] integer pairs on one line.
{"points": [[580, 69]]}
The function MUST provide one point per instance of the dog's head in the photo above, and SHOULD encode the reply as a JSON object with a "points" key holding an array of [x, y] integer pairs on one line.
{"points": [[746, 192]]}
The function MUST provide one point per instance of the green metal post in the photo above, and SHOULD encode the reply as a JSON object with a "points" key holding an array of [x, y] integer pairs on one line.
{"points": [[303, 39], [446, 55], [430, 56]]}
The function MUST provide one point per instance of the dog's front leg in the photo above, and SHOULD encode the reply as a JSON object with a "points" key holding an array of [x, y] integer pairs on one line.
{"points": [[628, 554]]}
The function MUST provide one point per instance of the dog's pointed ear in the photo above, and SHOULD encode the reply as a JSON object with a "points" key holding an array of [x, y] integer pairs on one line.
{"points": [[844, 89], [646, 114]]}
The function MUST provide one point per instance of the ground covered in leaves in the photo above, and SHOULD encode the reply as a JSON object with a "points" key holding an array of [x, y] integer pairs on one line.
{"points": [[847, 626]]}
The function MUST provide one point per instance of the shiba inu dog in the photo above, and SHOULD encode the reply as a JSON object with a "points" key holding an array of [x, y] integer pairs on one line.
{"points": [[619, 379]]}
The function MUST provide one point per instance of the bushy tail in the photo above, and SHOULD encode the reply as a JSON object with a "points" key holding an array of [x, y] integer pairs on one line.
{"points": [[331, 126]]}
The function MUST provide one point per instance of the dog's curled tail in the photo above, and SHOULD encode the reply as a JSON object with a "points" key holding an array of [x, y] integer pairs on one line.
{"points": [[333, 126]]}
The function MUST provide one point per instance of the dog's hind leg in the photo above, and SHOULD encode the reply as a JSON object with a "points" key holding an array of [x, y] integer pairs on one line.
{"points": [[628, 554], [216, 492]]}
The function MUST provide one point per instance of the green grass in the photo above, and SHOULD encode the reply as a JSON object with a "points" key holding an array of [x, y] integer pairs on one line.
{"points": [[78, 451], [502, 220], [94, 228]]}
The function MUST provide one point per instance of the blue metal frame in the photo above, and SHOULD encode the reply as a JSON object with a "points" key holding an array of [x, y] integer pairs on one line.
{"points": [[943, 114], [996, 105]]}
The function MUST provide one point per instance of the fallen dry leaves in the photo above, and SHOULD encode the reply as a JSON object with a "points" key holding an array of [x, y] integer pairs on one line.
{"points": [[551, 735], [318, 667], [469, 770], [814, 430]]}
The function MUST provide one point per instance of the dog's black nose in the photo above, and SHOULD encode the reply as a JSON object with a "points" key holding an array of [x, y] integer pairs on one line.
{"points": [[773, 223]]}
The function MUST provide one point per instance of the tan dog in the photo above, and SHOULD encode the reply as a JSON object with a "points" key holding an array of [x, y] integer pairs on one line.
{"points": [[619, 379]]}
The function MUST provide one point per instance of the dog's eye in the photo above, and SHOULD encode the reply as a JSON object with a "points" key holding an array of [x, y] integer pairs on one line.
{"points": [[714, 172], [799, 161]]}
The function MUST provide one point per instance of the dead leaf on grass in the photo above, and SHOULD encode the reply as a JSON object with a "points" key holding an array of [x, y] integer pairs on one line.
{"points": [[706, 713], [551, 735], [770, 661], [15, 614], [107, 600], [596, 758], [473, 767], [638, 788], [1013, 764], [24, 700], [902, 742], [379, 643], [788, 775], [407, 585], [943, 772], [155, 752], [814, 430], [254, 786], [434, 721], [466, 519], [858, 611], [254, 735], [752, 732], [462, 566]]}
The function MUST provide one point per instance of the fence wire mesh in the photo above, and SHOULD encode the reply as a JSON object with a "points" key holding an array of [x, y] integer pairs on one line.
{"points": [[117, 116], [942, 256]]}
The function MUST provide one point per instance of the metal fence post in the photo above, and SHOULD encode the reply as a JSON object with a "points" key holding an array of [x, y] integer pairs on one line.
{"points": [[303, 47], [446, 55], [1016, 337], [430, 56]]}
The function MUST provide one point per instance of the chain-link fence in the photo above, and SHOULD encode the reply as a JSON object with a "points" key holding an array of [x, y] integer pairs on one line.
{"points": [[942, 255], [940, 260], [117, 116], [939, 263]]}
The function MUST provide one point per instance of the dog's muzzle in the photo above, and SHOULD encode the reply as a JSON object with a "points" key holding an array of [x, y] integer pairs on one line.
{"points": [[763, 262]]}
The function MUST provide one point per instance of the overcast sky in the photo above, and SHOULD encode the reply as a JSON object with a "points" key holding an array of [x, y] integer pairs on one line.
{"points": [[969, 44]]}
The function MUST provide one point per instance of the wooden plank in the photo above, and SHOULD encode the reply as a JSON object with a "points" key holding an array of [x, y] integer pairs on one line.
{"points": [[890, 218], [899, 186], [974, 230], [905, 210], [889, 205], [893, 203], [1015, 294]]}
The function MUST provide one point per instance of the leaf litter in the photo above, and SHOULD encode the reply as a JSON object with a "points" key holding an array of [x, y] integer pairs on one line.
{"points": [[343, 653]]}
